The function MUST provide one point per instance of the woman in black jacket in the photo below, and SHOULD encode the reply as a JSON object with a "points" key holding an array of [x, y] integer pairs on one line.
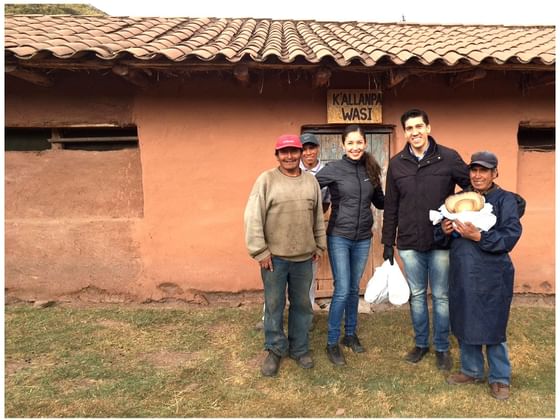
{"points": [[354, 183]]}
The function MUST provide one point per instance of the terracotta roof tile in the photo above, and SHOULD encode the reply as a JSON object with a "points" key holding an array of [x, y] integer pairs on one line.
{"points": [[62, 51], [138, 52], [24, 51], [177, 39], [229, 53]]}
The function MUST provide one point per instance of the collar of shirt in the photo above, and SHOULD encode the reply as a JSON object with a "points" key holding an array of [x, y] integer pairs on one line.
{"points": [[426, 152], [313, 170], [493, 187]]}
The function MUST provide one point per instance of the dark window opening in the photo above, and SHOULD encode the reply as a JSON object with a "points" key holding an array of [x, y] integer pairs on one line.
{"points": [[93, 138], [541, 139], [82, 138], [26, 139]]}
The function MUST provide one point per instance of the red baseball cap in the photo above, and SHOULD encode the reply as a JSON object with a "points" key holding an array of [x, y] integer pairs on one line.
{"points": [[288, 140]]}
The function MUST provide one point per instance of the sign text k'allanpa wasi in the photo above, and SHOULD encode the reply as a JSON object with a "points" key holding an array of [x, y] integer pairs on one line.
{"points": [[354, 106]]}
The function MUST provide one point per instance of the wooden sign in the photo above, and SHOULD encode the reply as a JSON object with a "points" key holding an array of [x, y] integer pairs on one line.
{"points": [[354, 106]]}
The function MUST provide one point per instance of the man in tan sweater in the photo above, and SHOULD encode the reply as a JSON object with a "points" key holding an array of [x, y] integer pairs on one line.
{"points": [[285, 233]]}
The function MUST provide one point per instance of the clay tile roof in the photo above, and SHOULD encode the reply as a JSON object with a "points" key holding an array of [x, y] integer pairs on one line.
{"points": [[207, 39]]}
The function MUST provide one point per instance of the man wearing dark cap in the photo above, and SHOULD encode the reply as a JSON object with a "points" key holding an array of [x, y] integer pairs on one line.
{"points": [[481, 280], [311, 163], [420, 178], [285, 233], [485, 159]]}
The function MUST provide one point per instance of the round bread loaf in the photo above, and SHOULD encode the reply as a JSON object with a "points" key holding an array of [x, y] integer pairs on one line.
{"points": [[468, 201]]}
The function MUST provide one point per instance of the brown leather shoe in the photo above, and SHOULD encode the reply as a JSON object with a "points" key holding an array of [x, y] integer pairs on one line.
{"points": [[499, 391], [305, 360], [462, 379], [444, 360], [270, 364], [416, 354]]}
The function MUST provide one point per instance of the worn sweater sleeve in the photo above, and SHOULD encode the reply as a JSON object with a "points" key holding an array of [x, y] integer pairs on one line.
{"points": [[254, 220], [319, 226]]}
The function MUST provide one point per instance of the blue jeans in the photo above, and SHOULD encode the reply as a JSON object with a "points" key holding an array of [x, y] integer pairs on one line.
{"points": [[421, 268], [499, 367], [297, 277], [311, 289], [348, 259]]}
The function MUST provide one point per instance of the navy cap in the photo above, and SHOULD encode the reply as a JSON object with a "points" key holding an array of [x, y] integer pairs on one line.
{"points": [[309, 138], [485, 159]]}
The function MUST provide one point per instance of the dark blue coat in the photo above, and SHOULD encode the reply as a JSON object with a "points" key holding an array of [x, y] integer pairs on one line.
{"points": [[481, 275]]}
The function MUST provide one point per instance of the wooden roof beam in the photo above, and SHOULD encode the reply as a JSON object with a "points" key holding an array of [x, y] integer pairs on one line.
{"points": [[396, 77], [538, 80], [36, 78], [466, 77], [70, 64], [322, 77], [241, 73], [134, 76]]}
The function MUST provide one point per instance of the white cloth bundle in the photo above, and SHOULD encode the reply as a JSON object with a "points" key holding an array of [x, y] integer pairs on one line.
{"points": [[483, 219]]}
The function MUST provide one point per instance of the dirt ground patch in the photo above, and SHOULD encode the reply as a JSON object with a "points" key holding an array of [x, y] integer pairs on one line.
{"points": [[249, 298], [172, 359], [529, 299]]}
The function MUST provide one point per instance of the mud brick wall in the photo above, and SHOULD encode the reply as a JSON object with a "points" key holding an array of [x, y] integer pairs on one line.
{"points": [[70, 222]]}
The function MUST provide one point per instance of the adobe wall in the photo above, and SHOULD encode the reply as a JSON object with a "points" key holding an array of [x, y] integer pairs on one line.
{"points": [[70, 222], [201, 147]]}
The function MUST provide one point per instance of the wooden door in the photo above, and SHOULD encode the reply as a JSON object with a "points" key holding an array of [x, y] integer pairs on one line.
{"points": [[378, 138]]}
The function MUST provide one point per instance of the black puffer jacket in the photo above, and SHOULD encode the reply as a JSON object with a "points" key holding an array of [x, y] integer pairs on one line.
{"points": [[414, 188], [351, 196]]}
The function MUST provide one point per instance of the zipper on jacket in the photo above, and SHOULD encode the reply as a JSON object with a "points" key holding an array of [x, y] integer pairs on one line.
{"points": [[425, 162], [359, 202], [429, 161]]}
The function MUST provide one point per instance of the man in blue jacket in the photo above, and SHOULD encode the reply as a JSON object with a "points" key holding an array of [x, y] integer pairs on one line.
{"points": [[419, 178], [481, 280]]}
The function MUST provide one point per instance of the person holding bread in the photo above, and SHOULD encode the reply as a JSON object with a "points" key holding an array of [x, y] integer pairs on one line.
{"points": [[419, 178], [481, 277]]}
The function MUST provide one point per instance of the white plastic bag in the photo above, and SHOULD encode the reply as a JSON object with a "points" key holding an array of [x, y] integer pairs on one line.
{"points": [[399, 292], [377, 290]]}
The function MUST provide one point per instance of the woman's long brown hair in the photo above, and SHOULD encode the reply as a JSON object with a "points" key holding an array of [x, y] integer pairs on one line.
{"points": [[372, 167]]}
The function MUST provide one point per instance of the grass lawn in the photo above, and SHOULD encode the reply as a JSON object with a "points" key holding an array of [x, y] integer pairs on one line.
{"points": [[205, 362]]}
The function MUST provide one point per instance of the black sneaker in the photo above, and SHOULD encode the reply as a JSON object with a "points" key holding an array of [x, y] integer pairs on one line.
{"points": [[443, 360], [353, 342], [335, 355], [416, 354], [305, 360], [271, 364]]}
